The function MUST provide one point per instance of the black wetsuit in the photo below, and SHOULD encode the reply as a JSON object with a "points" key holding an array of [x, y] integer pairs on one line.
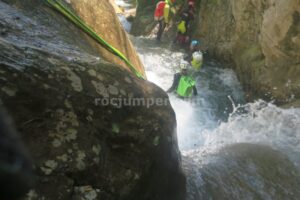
{"points": [[161, 28], [187, 17]]}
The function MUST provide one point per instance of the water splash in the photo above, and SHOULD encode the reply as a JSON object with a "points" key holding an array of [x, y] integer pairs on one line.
{"points": [[203, 112], [231, 150], [259, 123]]}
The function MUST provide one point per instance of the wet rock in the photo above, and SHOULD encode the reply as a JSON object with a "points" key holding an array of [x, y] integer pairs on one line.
{"points": [[241, 171], [109, 28], [80, 145], [130, 15], [258, 38], [261, 39], [144, 20], [16, 171], [86, 193]]}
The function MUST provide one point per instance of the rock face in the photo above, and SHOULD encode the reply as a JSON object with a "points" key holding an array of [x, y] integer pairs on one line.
{"points": [[57, 90], [262, 39], [144, 19], [99, 15]]}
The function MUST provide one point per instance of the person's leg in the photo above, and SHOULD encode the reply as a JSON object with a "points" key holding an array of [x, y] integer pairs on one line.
{"points": [[160, 29], [176, 38]]}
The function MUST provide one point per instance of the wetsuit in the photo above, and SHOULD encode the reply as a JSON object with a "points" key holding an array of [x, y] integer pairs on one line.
{"points": [[182, 36], [159, 16], [187, 16], [176, 80]]}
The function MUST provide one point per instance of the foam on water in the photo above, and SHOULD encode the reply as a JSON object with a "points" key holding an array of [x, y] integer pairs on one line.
{"points": [[205, 122], [259, 123], [203, 112]]}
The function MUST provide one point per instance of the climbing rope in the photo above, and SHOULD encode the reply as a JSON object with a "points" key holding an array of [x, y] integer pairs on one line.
{"points": [[82, 25]]}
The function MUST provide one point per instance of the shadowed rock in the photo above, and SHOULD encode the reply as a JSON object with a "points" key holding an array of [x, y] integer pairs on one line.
{"points": [[16, 173], [262, 40]]}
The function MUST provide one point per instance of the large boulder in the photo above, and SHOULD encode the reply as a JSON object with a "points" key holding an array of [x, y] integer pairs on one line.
{"points": [[144, 22], [100, 15], [262, 39], [66, 103], [241, 171]]}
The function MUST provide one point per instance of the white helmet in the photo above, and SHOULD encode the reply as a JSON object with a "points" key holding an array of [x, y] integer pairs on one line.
{"points": [[183, 64], [198, 56]]}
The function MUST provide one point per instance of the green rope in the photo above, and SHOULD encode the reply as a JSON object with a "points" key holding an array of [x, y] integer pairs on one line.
{"points": [[81, 24]]}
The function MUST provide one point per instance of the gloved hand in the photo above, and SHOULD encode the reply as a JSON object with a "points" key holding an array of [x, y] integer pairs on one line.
{"points": [[195, 93], [173, 10]]}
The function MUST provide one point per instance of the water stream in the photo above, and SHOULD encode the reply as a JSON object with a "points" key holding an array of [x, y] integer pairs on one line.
{"points": [[231, 149]]}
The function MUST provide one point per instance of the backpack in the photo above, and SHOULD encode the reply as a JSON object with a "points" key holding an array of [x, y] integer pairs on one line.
{"points": [[181, 27]]}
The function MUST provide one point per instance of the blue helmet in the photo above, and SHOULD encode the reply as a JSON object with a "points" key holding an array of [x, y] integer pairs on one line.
{"points": [[195, 43]]}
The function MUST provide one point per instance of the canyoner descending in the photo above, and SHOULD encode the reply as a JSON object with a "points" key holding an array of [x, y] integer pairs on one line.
{"points": [[184, 29], [183, 83], [197, 60], [162, 16], [185, 86]]}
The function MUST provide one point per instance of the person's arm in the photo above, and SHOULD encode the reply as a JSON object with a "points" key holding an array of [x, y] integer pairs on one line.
{"points": [[175, 83], [195, 90], [188, 57]]}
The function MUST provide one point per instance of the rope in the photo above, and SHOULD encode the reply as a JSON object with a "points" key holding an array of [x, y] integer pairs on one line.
{"points": [[82, 25]]}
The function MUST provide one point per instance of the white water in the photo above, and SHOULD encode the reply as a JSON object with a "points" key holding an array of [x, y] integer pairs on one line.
{"points": [[203, 122], [201, 113], [259, 123], [212, 121], [126, 4], [219, 118]]}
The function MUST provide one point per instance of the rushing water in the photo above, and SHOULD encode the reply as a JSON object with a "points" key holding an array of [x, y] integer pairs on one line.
{"points": [[216, 87], [231, 149], [126, 4]]}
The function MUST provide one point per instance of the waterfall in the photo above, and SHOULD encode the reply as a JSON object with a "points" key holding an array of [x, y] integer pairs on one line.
{"points": [[231, 149]]}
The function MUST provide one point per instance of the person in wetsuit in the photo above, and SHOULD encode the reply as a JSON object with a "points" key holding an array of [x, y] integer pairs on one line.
{"points": [[183, 83]]}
